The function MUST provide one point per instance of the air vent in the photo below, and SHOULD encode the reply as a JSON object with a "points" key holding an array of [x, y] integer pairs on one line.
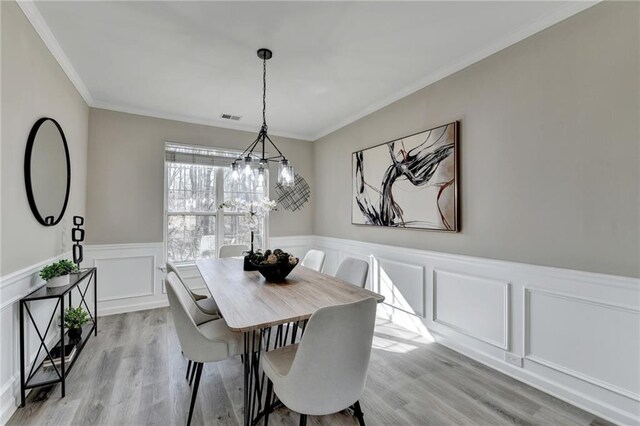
{"points": [[230, 117]]}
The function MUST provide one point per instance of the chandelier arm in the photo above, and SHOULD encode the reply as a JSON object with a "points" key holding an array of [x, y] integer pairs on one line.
{"points": [[250, 148], [274, 145]]}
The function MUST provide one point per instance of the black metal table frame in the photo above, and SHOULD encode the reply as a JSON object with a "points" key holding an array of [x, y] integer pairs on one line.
{"points": [[256, 402], [86, 275]]}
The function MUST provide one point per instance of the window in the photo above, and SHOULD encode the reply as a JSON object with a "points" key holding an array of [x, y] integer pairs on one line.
{"points": [[198, 180]]}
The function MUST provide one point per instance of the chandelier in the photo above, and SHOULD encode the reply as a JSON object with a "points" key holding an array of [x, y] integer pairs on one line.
{"points": [[244, 164]]}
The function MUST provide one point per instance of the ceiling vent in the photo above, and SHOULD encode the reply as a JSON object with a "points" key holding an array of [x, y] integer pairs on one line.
{"points": [[230, 117]]}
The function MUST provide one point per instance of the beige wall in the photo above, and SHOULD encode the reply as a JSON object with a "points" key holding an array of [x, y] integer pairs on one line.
{"points": [[549, 150], [125, 200], [34, 86]]}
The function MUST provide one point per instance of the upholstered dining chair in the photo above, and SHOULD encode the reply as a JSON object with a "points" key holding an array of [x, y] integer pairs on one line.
{"points": [[232, 250], [208, 342], [207, 307], [353, 271], [205, 310], [314, 259], [326, 372]]}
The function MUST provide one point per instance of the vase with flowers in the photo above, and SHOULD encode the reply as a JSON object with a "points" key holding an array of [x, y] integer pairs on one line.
{"points": [[254, 213]]}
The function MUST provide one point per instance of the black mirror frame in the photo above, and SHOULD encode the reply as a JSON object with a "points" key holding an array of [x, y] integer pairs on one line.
{"points": [[27, 172]]}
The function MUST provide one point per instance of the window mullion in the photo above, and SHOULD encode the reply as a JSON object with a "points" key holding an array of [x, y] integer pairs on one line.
{"points": [[220, 215]]}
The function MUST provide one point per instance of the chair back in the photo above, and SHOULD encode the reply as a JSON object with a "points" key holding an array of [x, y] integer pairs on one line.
{"points": [[314, 259], [171, 268], [353, 271], [232, 250], [330, 367], [195, 345]]}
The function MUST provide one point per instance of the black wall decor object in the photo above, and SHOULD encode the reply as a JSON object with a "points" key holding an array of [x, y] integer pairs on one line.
{"points": [[293, 197], [47, 171], [77, 235]]}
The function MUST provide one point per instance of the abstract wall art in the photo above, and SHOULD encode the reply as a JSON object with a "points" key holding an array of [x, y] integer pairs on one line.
{"points": [[409, 183]]}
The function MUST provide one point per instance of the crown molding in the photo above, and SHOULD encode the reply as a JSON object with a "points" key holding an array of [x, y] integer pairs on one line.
{"points": [[39, 24], [37, 21], [195, 120], [528, 30]]}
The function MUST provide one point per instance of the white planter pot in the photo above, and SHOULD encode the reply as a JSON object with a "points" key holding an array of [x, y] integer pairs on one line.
{"points": [[60, 281]]}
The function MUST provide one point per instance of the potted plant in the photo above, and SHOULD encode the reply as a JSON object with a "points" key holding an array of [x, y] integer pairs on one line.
{"points": [[57, 274], [74, 319]]}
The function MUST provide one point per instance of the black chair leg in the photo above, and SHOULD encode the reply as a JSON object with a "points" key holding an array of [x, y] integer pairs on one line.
{"points": [[267, 402], [193, 372], [303, 420], [188, 369], [198, 367], [357, 411]]}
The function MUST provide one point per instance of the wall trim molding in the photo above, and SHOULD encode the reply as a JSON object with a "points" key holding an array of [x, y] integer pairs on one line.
{"points": [[612, 292], [13, 277], [40, 25], [506, 330], [620, 281], [134, 307], [8, 399], [550, 364], [151, 291], [464, 62], [124, 246]]}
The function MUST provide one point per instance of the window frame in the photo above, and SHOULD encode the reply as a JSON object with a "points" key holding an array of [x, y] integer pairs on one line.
{"points": [[218, 213]]}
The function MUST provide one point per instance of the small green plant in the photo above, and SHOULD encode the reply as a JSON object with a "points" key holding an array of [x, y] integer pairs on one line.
{"points": [[58, 269], [75, 318]]}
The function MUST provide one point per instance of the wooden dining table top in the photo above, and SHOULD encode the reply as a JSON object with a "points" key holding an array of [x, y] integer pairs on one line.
{"points": [[248, 302]]}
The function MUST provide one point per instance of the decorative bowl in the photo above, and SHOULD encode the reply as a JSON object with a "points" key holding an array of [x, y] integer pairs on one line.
{"points": [[274, 265], [275, 272]]}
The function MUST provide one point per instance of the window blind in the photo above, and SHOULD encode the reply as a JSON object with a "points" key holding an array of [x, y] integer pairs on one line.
{"points": [[184, 154]]}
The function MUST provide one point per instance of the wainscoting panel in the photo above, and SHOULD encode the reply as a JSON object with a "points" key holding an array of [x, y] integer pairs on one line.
{"points": [[585, 335], [129, 276], [585, 353], [13, 287], [472, 305], [120, 272], [569, 333], [402, 284]]}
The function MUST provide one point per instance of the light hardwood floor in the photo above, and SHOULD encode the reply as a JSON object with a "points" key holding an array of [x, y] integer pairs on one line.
{"points": [[133, 374]]}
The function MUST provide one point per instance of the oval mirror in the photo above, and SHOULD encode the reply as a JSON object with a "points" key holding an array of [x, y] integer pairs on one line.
{"points": [[47, 171]]}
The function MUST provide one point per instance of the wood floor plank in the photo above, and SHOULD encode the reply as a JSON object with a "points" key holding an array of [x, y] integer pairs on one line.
{"points": [[133, 373]]}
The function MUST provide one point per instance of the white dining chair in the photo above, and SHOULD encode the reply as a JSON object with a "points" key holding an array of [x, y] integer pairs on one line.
{"points": [[209, 342], [326, 372], [353, 271], [232, 250], [314, 259], [207, 306]]}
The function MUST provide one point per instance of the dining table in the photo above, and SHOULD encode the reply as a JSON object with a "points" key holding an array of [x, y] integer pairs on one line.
{"points": [[270, 314]]}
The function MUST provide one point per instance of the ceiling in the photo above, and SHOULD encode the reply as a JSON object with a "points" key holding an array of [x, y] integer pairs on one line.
{"points": [[333, 62]]}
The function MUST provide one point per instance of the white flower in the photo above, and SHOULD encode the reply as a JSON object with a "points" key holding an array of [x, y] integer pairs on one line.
{"points": [[293, 260], [253, 211]]}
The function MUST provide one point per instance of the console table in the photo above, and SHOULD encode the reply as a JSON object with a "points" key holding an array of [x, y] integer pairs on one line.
{"points": [[39, 375]]}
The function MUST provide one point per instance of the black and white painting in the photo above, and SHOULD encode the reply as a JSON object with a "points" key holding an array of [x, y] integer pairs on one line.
{"points": [[409, 182]]}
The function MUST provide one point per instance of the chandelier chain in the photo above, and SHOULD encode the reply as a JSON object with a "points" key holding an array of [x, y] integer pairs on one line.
{"points": [[264, 93]]}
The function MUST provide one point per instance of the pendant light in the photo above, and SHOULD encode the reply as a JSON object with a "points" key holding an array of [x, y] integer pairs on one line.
{"points": [[244, 164]]}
